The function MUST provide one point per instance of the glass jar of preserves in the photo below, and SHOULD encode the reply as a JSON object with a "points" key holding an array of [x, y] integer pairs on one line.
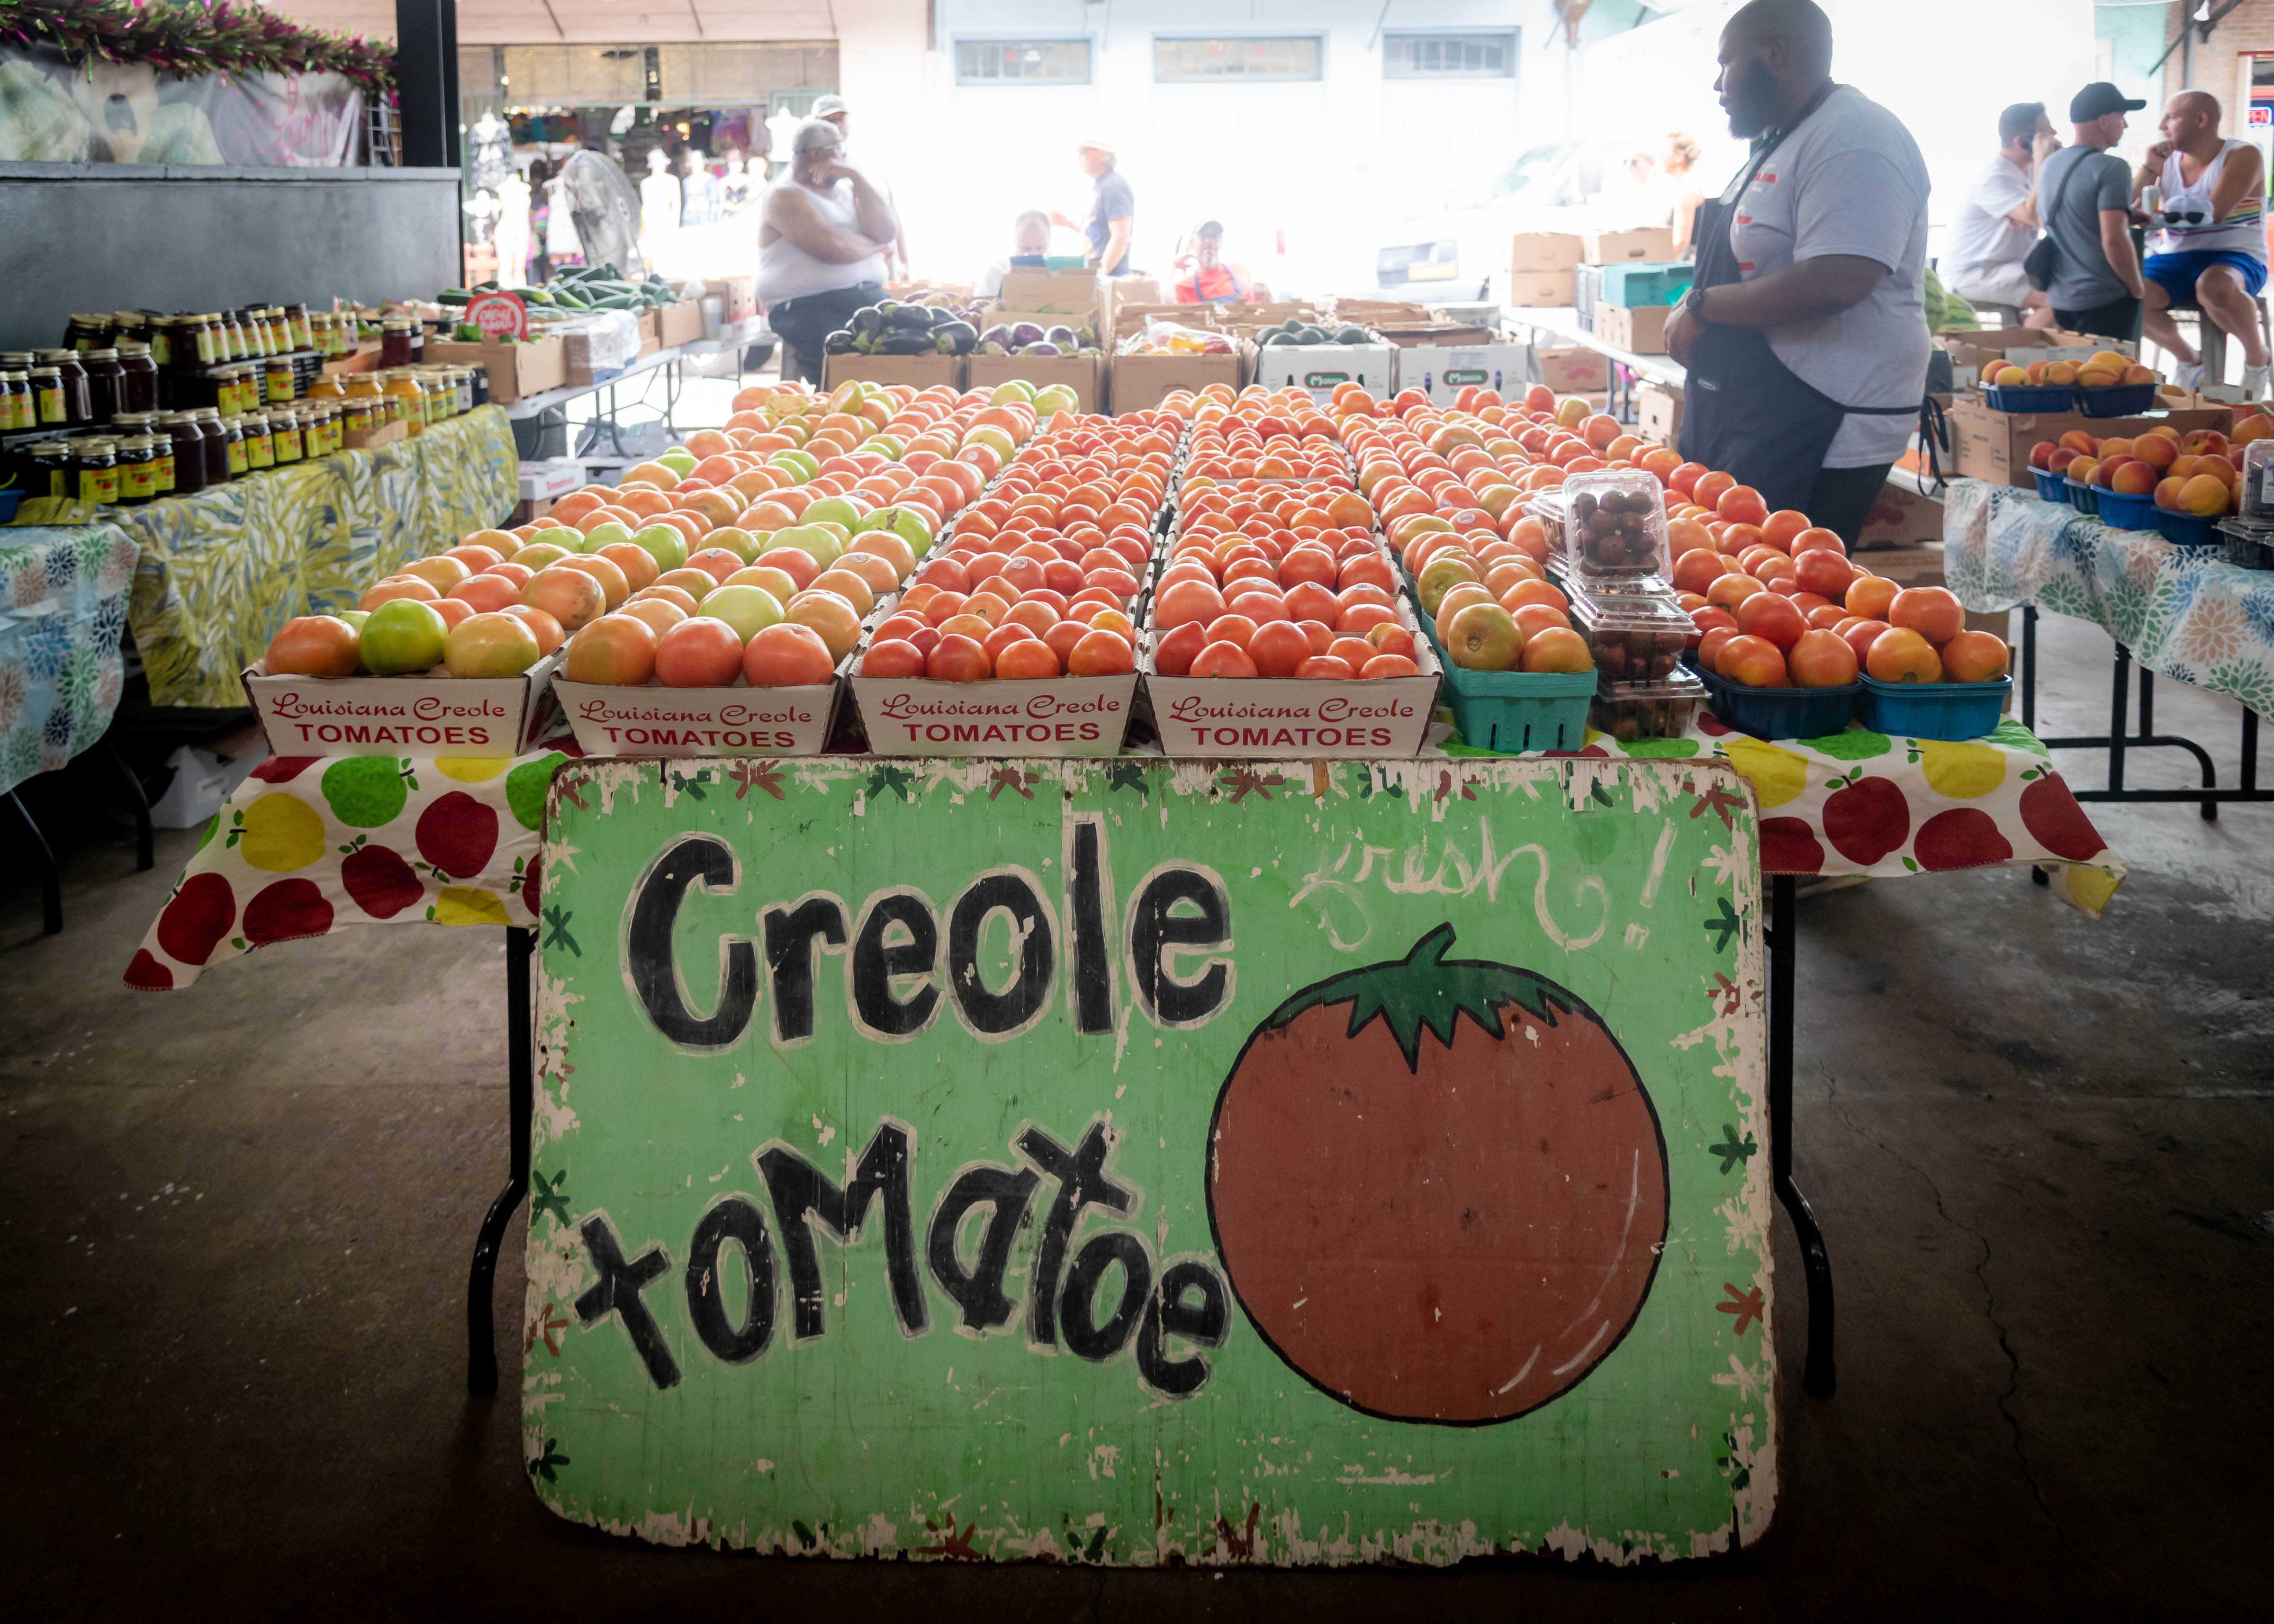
{"points": [[189, 451], [126, 424], [137, 463], [103, 392], [138, 386], [321, 325], [95, 469], [395, 335], [335, 431], [359, 416], [15, 360], [259, 449], [402, 385], [255, 331], [86, 332], [232, 434], [162, 465], [284, 434], [371, 386], [462, 380], [233, 345], [48, 396], [283, 381], [48, 467], [79, 406], [18, 411], [129, 327], [440, 395], [280, 331], [205, 343], [215, 439], [325, 386], [302, 325], [161, 337]]}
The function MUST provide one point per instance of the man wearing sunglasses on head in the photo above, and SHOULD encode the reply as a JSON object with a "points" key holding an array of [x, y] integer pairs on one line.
{"points": [[2210, 250]]}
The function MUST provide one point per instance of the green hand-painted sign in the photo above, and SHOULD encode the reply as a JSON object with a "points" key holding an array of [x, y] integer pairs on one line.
{"points": [[1165, 1162]]}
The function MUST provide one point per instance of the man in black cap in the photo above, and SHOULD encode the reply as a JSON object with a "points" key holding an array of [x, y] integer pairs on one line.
{"points": [[2084, 197]]}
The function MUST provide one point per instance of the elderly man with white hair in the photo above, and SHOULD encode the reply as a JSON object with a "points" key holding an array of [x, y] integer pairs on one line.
{"points": [[822, 237]]}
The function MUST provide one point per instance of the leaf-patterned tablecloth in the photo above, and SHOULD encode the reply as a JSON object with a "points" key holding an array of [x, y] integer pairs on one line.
{"points": [[63, 604], [2184, 613], [222, 569], [309, 843]]}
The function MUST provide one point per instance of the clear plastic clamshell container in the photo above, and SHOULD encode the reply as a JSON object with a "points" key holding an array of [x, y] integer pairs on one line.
{"points": [[1615, 526], [1632, 711], [1636, 636], [2258, 482]]}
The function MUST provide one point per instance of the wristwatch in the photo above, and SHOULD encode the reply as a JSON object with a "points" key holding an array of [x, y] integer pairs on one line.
{"points": [[1694, 304]]}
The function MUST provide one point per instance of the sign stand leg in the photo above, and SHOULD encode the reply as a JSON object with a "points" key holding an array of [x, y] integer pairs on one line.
{"points": [[481, 1338], [1818, 1374]]}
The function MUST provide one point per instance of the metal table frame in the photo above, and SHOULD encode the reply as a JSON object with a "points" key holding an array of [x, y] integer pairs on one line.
{"points": [[2116, 740]]}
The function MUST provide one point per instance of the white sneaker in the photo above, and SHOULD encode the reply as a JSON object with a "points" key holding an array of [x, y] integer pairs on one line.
{"points": [[2188, 375], [2253, 383]]}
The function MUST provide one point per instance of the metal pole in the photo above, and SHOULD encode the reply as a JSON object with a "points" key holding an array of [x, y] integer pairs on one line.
{"points": [[427, 81]]}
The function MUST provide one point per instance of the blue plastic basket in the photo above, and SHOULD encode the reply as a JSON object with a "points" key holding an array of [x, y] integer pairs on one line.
{"points": [[2053, 487], [2030, 397], [1944, 711], [2128, 513], [7, 501], [2187, 530], [1780, 712], [2116, 400], [1511, 711], [2083, 498]]}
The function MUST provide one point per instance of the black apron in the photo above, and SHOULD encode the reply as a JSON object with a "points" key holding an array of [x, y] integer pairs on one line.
{"points": [[1747, 413]]}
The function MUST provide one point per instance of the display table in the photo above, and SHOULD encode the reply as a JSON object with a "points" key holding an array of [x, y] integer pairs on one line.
{"points": [[63, 604], [2182, 613], [221, 570]]}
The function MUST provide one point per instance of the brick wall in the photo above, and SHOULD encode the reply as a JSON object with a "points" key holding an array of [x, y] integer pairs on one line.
{"points": [[2248, 28]]}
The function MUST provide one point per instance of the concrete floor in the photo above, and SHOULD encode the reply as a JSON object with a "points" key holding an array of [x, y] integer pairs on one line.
{"points": [[234, 1224]]}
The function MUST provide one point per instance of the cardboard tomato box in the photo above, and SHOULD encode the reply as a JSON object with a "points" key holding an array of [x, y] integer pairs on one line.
{"points": [[1062, 716], [424, 715], [1141, 382], [919, 371], [740, 720], [1319, 369], [1443, 373], [1084, 374], [1639, 330], [1292, 717]]}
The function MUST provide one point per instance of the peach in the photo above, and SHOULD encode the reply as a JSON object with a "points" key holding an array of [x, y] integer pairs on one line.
{"points": [[2205, 495], [2133, 478]]}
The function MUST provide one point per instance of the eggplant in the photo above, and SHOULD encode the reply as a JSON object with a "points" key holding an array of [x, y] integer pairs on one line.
{"points": [[840, 343], [988, 346], [1062, 336], [867, 322], [1024, 334], [997, 335], [905, 344], [1086, 337], [1041, 347], [908, 319], [955, 338]]}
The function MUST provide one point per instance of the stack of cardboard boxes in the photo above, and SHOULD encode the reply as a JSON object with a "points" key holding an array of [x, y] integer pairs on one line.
{"points": [[1141, 382], [1050, 299]]}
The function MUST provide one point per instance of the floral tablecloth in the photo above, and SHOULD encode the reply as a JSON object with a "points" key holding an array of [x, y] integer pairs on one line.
{"points": [[2184, 613], [221, 570], [63, 604], [309, 843]]}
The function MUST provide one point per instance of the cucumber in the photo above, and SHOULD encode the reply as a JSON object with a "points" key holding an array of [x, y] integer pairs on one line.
{"points": [[453, 295]]}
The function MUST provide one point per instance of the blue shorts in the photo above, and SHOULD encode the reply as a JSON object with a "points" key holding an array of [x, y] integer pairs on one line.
{"points": [[2175, 273]]}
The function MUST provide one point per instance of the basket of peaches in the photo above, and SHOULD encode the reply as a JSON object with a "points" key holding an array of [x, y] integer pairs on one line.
{"points": [[1794, 636], [2178, 485]]}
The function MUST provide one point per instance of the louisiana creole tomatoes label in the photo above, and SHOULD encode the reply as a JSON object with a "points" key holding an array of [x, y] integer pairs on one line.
{"points": [[726, 721], [1072, 716], [1216, 717], [314, 715]]}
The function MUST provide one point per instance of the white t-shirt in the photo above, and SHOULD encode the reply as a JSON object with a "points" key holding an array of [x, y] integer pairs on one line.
{"points": [[1849, 181], [1982, 241]]}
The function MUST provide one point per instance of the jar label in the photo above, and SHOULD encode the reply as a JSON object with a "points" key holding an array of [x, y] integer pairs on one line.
{"points": [[51, 402], [161, 347], [237, 458], [138, 482], [163, 471], [260, 451], [288, 445]]}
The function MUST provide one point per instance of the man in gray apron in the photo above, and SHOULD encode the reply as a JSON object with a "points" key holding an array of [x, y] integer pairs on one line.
{"points": [[1805, 333]]}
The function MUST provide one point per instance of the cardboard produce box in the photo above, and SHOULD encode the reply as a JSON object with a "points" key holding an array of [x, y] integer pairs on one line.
{"points": [[1995, 444], [1319, 369], [1972, 349], [738, 297], [919, 371], [1292, 717], [1539, 289], [1658, 413], [1081, 373], [1065, 716], [1141, 382], [515, 371], [417, 714], [1443, 373], [681, 323], [1546, 251], [1059, 294], [1572, 369], [1637, 243], [1434, 331], [1639, 331], [740, 720]]}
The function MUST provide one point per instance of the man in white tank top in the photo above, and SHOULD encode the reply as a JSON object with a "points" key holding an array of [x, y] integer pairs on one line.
{"points": [[2210, 247], [822, 237]]}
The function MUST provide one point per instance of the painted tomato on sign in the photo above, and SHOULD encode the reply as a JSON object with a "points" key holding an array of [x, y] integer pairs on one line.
{"points": [[1438, 1186]]}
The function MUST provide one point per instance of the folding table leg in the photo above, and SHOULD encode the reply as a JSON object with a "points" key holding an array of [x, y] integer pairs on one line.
{"points": [[1818, 1374], [481, 1336]]}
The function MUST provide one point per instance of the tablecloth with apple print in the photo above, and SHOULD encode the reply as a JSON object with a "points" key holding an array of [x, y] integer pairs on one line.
{"points": [[309, 844], [2184, 613], [1871, 803]]}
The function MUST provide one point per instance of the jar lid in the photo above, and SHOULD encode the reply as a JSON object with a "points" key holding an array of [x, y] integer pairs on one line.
{"points": [[201, 413], [132, 419], [51, 447], [134, 351], [15, 357], [126, 315], [98, 355], [97, 317], [95, 443], [400, 322], [181, 419], [46, 372], [58, 356]]}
